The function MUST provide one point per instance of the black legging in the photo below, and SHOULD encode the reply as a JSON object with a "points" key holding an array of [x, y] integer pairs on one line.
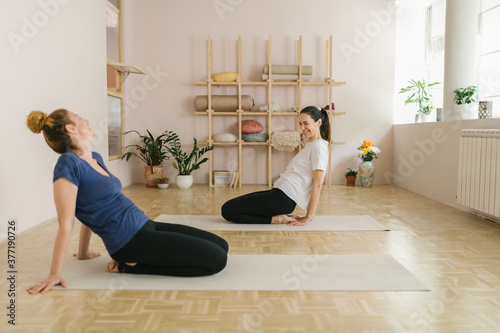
{"points": [[257, 207], [172, 249]]}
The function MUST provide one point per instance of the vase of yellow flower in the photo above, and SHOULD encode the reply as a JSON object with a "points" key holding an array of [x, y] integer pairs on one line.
{"points": [[367, 152]]}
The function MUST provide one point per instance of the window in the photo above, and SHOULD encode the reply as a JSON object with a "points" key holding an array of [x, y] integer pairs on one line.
{"points": [[115, 79], [489, 57], [115, 128], [436, 17]]}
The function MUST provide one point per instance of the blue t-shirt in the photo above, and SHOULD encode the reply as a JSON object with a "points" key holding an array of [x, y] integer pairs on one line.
{"points": [[100, 205]]}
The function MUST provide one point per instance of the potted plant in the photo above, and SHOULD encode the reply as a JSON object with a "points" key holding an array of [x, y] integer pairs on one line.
{"points": [[186, 163], [420, 96], [350, 177], [152, 151], [464, 97], [367, 152], [162, 182]]}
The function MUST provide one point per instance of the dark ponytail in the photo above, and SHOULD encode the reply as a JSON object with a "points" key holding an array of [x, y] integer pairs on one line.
{"points": [[317, 114]]}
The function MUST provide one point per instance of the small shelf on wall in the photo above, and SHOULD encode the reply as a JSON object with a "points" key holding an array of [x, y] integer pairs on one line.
{"points": [[126, 68], [117, 72]]}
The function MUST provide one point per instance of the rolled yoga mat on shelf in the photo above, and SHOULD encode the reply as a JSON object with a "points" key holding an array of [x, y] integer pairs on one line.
{"points": [[288, 69], [286, 77], [223, 103]]}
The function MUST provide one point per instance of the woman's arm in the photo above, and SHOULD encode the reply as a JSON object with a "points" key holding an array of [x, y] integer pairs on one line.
{"points": [[83, 248], [65, 199], [317, 185]]}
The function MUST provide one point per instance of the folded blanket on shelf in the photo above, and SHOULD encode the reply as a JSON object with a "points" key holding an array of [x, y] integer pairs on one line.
{"points": [[288, 69], [286, 77], [223, 103]]}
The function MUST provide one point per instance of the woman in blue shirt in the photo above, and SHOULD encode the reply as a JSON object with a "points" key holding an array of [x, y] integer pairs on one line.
{"points": [[83, 187]]}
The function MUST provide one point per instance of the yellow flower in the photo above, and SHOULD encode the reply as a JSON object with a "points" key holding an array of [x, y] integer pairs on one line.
{"points": [[368, 143], [366, 151]]}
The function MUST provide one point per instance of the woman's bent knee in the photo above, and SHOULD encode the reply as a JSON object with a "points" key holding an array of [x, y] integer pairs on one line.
{"points": [[226, 211], [219, 263]]}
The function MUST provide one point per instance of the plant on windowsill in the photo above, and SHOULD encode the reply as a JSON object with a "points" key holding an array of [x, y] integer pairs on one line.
{"points": [[152, 151], [186, 163], [420, 96], [350, 177], [464, 97], [162, 182]]}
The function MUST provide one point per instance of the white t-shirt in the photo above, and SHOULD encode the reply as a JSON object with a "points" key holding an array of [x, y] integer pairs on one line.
{"points": [[296, 181]]}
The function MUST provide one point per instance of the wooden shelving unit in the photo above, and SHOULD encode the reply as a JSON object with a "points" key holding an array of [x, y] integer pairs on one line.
{"points": [[327, 84]]}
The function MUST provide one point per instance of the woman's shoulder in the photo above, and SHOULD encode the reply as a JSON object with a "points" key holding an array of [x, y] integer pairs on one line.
{"points": [[319, 147], [97, 156], [68, 157]]}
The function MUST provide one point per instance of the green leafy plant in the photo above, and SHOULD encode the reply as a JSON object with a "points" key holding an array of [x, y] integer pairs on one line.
{"points": [[465, 95], [162, 180], [185, 164], [351, 172], [152, 151], [420, 95]]}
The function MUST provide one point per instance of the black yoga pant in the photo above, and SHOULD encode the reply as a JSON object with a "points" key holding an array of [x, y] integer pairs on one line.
{"points": [[257, 207], [172, 249]]}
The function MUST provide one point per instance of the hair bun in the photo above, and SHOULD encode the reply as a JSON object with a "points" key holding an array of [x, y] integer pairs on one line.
{"points": [[36, 120]]}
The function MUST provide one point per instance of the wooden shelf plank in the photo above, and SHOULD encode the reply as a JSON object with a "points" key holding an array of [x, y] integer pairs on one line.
{"points": [[278, 113], [126, 68], [244, 143], [215, 143], [274, 83], [258, 84], [260, 113]]}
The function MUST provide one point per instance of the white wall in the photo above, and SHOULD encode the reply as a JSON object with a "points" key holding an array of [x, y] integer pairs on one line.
{"points": [[169, 38], [426, 157], [53, 56], [410, 57]]}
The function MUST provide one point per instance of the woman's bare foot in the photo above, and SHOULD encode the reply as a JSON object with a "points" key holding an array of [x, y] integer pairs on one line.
{"points": [[282, 219], [112, 266]]}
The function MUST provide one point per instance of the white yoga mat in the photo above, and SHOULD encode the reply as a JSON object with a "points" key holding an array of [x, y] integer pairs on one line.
{"points": [[324, 222], [259, 272]]}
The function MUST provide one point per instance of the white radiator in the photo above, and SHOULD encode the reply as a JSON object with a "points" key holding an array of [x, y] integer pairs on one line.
{"points": [[479, 171]]}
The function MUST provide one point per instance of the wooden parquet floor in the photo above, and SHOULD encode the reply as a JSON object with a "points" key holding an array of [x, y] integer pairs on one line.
{"points": [[456, 254]]}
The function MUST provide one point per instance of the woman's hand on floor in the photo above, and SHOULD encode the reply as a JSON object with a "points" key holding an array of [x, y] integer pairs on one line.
{"points": [[300, 221], [89, 255], [46, 285]]}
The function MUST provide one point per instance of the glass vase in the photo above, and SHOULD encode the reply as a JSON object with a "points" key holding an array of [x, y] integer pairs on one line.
{"points": [[366, 173]]}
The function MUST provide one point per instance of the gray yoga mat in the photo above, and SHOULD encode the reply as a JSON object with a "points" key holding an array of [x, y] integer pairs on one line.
{"points": [[322, 222], [260, 272]]}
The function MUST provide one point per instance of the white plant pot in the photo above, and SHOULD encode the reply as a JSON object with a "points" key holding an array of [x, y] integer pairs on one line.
{"points": [[184, 181], [469, 111], [162, 185]]}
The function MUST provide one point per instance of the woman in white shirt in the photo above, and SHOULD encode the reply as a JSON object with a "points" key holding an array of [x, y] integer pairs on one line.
{"points": [[300, 184]]}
